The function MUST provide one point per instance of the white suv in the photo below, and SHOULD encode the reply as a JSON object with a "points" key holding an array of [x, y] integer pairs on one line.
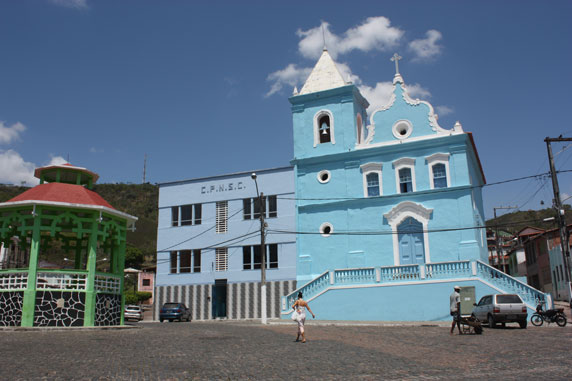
{"points": [[133, 313], [501, 308]]}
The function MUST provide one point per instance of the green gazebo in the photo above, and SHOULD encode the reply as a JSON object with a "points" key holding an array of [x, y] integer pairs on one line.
{"points": [[63, 253]]}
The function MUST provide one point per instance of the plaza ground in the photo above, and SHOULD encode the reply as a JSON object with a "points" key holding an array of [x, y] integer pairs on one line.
{"points": [[247, 350]]}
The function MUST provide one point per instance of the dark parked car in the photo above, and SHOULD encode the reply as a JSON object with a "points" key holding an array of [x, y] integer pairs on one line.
{"points": [[174, 311], [501, 308]]}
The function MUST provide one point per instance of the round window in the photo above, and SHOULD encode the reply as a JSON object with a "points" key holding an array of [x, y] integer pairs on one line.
{"points": [[402, 129], [324, 176], [326, 229]]}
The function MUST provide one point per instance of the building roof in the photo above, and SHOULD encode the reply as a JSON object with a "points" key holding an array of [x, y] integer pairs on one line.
{"points": [[67, 166], [60, 192], [324, 76]]}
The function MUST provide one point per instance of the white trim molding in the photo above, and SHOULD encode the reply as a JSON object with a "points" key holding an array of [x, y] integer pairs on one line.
{"points": [[404, 162], [398, 214], [438, 158], [317, 117], [371, 168]]}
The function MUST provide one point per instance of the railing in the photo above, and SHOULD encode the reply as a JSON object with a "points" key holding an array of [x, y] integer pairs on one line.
{"points": [[399, 273], [13, 281], [354, 276], [416, 273], [528, 294], [108, 284], [309, 290], [61, 281], [446, 270]]}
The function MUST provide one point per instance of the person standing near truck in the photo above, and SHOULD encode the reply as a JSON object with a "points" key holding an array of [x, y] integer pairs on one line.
{"points": [[455, 302]]}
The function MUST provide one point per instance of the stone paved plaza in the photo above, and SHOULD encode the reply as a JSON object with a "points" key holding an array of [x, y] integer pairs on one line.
{"points": [[241, 351]]}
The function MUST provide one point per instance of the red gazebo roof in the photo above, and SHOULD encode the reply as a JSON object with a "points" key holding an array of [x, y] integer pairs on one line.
{"points": [[60, 192]]}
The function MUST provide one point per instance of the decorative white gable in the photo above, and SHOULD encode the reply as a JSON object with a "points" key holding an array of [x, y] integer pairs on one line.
{"points": [[324, 76]]}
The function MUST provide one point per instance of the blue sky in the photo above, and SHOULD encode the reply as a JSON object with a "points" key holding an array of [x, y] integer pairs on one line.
{"points": [[202, 87]]}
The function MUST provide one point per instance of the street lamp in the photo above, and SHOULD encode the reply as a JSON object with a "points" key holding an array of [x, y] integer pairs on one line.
{"points": [[262, 251]]}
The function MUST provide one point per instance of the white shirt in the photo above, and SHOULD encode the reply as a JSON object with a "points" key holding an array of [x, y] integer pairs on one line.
{"points": [[454, 299]]}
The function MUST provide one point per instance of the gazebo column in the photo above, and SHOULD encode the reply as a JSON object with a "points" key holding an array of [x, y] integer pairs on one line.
{"points": [[119, 257], [90, 293], [29, 302]]}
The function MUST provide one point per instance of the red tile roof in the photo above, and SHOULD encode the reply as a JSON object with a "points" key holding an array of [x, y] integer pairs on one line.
{"points": [[59, 192]]}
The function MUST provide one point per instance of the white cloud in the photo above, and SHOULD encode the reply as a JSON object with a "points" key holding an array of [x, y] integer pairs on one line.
{"points": [[377, 96], [76, 4], [418, 91], [10, 133], [444, 110], [291, 75], [427, 48], [14, 170], [375, 33], [57, 160]]}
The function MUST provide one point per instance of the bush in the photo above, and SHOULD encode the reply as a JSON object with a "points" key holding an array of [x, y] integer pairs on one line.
{"points": [[137, 297]]}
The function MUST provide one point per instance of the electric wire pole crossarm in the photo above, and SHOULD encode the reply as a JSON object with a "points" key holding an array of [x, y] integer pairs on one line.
{"points": [[262, 252], [561, 217]]}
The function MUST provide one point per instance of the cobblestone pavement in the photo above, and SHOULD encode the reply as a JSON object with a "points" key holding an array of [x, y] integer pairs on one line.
{"points": [[242, 351]]}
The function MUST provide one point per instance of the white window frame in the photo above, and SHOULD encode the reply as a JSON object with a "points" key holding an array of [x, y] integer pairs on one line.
{"points": [[404, 162], [438, 158], [317, 117], [398, 214], [371, 168]]}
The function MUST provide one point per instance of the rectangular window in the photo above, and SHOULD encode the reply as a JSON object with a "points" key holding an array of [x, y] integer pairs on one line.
{"points": [[175, 216], [186, 215], [221, 216], [146, 282], [247, 208], [185, 261], [246, 257], [405, 182], [372, 184], [198, 213], [197, 261], [272, 251], [439, 176], [174, 262], [257, 262], [272, 206], [221, 254], [256, 208]]}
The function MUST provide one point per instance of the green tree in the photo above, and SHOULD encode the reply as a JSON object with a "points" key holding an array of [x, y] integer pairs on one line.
{"points": [[134, 257]]}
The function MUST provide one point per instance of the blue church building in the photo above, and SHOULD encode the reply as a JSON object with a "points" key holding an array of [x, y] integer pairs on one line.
{"points": [[389, 209]]}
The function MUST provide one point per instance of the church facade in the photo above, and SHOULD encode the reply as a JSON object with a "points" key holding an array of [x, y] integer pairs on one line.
{"points": [[389, 208]]}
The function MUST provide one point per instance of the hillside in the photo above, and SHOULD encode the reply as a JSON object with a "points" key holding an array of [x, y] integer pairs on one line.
{"points": [[139, 200], [514, 222]]}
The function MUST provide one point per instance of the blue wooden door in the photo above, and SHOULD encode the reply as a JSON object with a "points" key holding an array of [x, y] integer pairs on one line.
{"points": [[411, 245]]}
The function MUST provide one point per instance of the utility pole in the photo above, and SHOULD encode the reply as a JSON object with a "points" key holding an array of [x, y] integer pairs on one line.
{"points": [[500, 253], [561, 216], [144, 168], [262, 252]]}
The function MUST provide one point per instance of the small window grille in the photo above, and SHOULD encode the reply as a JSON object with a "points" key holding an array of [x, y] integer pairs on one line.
{"points": [[221, 259], [221, 216]]}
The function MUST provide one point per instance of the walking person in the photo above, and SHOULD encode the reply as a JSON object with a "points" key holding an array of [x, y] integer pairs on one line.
{"points": [[300, 307], [455, 301]]}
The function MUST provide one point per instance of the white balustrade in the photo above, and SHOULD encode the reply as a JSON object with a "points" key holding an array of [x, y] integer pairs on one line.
{"points": [[61, 281], [107, 284], [14, 281]]}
